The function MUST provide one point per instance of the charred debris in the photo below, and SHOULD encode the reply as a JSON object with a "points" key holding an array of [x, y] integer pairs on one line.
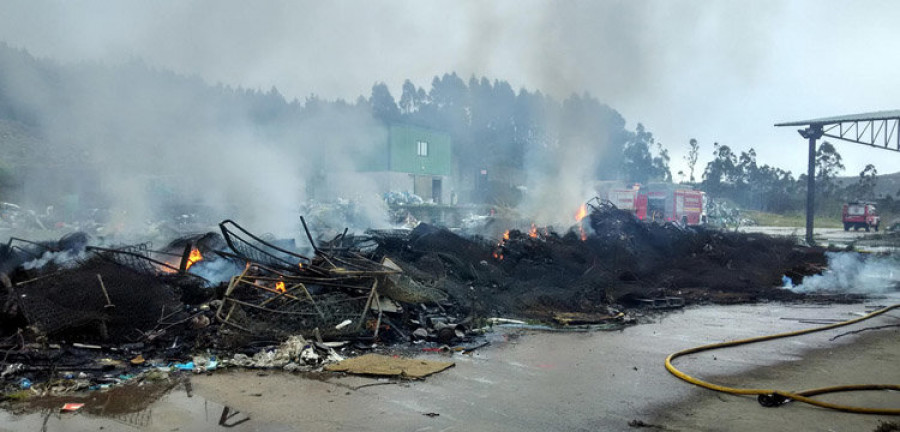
{"points": [[77, 316]]}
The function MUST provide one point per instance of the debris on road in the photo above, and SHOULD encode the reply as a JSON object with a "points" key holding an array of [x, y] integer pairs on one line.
{"points": [[72, 407], [382, 365]]}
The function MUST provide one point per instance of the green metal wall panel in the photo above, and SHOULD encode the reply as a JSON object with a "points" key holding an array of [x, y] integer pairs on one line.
{"points": [[403, 147]]}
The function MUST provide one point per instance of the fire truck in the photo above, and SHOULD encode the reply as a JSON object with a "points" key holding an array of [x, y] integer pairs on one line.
{"points": [[661, 203], [858, 215]]}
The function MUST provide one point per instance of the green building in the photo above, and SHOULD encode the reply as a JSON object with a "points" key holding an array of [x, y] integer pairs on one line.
{"points": [[415, 159]]}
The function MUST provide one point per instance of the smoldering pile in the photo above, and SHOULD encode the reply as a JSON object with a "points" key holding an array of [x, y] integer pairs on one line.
{"points": [[208, 300], [609, 261]]}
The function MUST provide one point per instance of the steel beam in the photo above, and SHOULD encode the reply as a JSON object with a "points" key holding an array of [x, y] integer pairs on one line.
{"points": [[811, 133]]}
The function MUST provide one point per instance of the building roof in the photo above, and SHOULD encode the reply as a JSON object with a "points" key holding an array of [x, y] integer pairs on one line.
{"points": [[877, 115]]}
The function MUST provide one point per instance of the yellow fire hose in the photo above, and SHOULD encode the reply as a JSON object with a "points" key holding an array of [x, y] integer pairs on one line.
{"points": [[773, 398]]}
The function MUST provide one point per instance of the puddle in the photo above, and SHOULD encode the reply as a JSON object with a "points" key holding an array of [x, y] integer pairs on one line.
{"points": [[154, 407]]}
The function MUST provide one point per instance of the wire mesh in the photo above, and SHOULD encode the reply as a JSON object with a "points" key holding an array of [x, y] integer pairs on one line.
{"points": [[135, 257], [256, 307]]}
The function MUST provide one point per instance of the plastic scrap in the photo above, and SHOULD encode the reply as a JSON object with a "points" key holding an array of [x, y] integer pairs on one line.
{"points": [[343, 324], [72, 407], [295, 354], [189, 366], [204, 364]]}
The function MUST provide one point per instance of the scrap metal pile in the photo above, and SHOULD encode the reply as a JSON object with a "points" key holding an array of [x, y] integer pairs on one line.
{"points": [[117, 311], [339, 292], [234, 294]]}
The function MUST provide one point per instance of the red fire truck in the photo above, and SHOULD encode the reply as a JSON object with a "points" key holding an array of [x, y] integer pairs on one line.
{"points": [[662, 203], [858, 215]]}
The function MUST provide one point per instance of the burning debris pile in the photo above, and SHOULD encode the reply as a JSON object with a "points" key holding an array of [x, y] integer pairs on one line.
{"points": [[114, 312], [234, 296], [608, 260]]}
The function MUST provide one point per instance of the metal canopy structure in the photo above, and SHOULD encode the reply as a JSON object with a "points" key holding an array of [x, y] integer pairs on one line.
{"points": [[877, 129], [880, 129]]}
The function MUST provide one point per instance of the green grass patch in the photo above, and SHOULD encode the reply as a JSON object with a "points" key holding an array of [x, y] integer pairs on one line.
{"points": [[794, 220], [18, 396]]}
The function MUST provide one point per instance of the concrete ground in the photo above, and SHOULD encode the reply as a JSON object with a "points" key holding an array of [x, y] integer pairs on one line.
{"points": [[600, 381], [822, 235], [557, 381]]}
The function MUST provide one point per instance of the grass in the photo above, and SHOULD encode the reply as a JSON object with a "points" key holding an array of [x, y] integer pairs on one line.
{"points": [[796, 220], [18, 396]]}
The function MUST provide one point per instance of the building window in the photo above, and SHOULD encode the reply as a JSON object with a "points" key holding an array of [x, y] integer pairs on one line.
{"points": [[422, 148]]}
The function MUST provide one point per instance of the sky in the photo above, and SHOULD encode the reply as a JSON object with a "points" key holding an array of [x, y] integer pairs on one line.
{"points": [[722, 71]]}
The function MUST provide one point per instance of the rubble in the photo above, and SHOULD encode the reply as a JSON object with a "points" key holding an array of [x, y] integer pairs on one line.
{"points": [[102, 316], [294, 354]]}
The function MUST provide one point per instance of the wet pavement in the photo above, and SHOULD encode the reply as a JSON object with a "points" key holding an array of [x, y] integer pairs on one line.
{"points": [[532, 381]]}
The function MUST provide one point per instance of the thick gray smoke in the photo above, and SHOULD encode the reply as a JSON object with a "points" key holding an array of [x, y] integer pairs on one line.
{"points": [[854, 273], [560, 179], [675, 66], [628, 54], [147, 145]]}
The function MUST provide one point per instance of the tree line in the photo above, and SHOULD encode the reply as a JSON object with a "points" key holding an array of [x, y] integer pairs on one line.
{"points": [[740, 179], [491, 125]]}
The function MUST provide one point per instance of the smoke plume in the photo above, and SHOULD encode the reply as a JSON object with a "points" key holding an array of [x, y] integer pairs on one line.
{"points": [[854, 273]]}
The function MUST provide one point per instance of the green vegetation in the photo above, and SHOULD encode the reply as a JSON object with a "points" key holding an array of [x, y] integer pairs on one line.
{"points": [[772, 197], [18, 396], [793, 219]]}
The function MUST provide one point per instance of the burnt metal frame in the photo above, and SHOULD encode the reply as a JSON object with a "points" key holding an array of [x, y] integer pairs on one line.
{"points": [[870, 129], [260, 247], [296, 286]]}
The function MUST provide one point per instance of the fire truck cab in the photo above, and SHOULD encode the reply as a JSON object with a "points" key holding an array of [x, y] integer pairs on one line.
{"points": [[858, 215]]}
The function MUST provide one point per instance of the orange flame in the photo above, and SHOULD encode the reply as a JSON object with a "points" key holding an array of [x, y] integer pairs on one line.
{"points": [[583, 233], [193, 257], [279, 286], [582, 212], [300, 265], [498, 256], [506, 235], [533, 233]]}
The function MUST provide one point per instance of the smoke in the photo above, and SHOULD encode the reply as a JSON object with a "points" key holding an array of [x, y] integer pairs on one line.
{"points": [[148, 145], [560, 180], [62, 259], [580, 143], [340, 143], [216, 271], [854, 273], [639, 55]]}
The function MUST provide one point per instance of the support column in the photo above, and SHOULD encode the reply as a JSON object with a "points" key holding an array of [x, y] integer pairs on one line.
{"points": [[812, 133]]}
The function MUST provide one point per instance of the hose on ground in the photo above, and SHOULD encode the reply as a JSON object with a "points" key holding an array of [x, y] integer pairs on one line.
{"points": [[772, 398]]}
